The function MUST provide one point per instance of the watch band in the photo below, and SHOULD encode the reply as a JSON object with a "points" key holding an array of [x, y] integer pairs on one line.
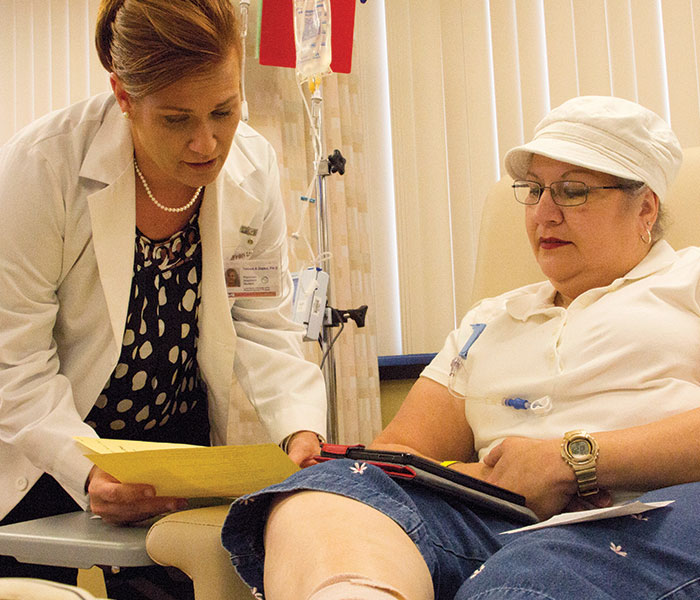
{"points": [[587, 480], [579, 450]]}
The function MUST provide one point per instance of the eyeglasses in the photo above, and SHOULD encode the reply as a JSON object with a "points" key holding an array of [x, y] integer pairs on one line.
{"points": [[564, 193]]}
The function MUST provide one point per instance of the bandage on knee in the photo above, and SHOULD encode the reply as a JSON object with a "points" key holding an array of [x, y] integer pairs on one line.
{"points": [[352, 586]]}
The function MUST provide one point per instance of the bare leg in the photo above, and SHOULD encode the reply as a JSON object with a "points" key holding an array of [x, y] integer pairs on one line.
{"points": [[350, 586], [313, 537]]}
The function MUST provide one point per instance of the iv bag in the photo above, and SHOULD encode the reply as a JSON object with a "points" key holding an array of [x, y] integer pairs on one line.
{"points": [[312, 36]]}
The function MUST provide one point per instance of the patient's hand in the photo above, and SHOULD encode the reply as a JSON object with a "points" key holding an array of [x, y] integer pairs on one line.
{"points": [[601, 499], [534, 469], [122, 503]]}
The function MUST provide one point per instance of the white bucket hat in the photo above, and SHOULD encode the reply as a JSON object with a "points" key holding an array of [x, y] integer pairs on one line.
{"points": [[604, 134]]}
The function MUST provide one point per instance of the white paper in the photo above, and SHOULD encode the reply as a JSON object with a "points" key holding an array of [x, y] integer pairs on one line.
{"points": [[596, 514]]}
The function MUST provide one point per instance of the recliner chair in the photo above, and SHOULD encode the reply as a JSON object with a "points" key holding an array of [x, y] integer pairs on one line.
{"points": [[504, 257], [190, 540]]}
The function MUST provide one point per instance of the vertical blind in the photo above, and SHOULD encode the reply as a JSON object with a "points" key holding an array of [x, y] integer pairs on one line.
{"points": [[465, 80], [48, 58], [469, 79]]}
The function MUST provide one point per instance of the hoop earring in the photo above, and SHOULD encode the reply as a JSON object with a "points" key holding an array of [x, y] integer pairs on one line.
{"points": [[647, 239]]}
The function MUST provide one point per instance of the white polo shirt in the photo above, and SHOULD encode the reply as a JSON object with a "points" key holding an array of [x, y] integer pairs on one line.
{"points": [[622, 355]]}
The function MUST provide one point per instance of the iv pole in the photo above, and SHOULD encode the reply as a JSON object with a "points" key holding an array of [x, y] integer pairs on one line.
{"points": [[323, 242], [324, 166], [323, 169]]}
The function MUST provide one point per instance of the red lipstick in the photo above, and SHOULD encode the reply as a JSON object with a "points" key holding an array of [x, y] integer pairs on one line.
{"points": [[551, 243]]}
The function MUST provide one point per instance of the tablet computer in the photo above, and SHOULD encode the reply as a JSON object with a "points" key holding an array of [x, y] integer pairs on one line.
{"points": [[406, 466]]}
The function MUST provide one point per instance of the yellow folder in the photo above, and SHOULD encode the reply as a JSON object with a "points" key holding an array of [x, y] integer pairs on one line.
{"points": [[187, 471]]}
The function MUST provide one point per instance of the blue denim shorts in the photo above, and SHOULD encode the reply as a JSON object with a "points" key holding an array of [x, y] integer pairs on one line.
{"points": [[653, 556]]}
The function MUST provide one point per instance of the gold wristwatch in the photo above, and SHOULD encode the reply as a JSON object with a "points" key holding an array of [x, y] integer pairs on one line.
{"points": [[580, 451]]}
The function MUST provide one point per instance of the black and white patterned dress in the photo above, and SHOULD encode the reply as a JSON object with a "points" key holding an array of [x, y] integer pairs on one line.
{"points": [[155, 392]]}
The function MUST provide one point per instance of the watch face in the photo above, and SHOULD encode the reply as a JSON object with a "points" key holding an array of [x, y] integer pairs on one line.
{"points": [[580, 448]]}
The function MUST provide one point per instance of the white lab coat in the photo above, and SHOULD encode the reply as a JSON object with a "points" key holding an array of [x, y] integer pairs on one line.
{"points": [[66, 265]]}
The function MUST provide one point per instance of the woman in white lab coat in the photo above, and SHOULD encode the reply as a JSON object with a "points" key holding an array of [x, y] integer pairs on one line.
{"points": [[122, 214]]}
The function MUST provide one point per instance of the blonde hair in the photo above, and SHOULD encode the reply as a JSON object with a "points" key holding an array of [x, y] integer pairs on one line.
{"points": [[150, 44]]}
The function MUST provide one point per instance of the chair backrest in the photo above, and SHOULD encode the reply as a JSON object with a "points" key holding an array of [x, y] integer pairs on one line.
{"points": [[504, 259]]}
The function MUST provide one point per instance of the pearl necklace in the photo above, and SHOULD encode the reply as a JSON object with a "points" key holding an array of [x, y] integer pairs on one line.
{"points": [[158, 204]]}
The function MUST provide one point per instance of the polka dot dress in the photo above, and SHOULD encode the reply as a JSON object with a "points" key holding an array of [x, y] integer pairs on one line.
{"points": [[155, 392]]}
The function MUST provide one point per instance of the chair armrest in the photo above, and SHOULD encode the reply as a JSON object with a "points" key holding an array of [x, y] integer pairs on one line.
{"points": [[191, 542]]}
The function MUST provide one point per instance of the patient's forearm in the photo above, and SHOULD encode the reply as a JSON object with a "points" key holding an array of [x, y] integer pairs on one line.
{"points": [[651, 456], [431, 421]]}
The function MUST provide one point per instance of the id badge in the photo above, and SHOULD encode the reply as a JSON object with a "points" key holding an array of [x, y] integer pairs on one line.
{"points": [[253, 277]]}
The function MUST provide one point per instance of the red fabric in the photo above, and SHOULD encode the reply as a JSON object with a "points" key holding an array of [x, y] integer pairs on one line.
{"points": [[277, 46]]}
